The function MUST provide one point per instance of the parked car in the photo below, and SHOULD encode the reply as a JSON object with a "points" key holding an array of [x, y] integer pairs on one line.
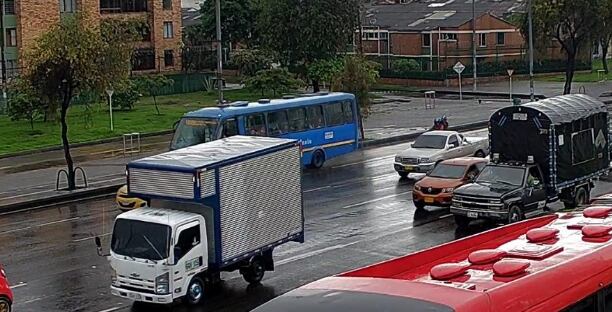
{"points": [[126, 202], [6, 295], [436, 189], [435, 146]]}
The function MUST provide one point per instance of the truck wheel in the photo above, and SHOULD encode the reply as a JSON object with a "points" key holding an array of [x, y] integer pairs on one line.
{"points": [[480, 154], [515, 214], [580, 198], [195, 291], [419, 205], [318, 158], [254, 273], [403, 175], [462, 221], [5, 305]]}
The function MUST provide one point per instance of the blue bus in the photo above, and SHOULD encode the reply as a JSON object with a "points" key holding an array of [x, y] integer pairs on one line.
{"points": [[325, 124]]}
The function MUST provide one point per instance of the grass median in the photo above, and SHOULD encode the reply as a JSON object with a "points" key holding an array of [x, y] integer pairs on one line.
{"points": [[86, 124], [593, 76]]}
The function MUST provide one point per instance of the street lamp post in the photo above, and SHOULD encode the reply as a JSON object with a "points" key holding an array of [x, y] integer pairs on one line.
{"points": [[110, 106], [530, 17], [474, 43], [219, 51]]}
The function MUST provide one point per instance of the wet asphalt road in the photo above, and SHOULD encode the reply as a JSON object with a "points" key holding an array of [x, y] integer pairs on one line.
{"points": [[357, 212]]}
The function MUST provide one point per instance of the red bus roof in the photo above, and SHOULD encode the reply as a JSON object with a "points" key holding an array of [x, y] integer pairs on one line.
{"points": [[542, 264]]}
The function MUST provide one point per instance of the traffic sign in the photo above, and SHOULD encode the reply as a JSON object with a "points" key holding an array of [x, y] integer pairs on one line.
{"points": [[510, 71], [459, 67]]}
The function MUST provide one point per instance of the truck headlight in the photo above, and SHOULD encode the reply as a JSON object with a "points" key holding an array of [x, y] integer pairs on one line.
{"points": [[162, 284], [495, 201], [398, 159], [448, 190], [114, 277], [424, 160]]}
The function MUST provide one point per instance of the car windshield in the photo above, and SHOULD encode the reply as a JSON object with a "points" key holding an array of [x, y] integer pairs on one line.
{"points": [[138, 239], [501, 175], [430, 141], [192, 131], [447, 171]]}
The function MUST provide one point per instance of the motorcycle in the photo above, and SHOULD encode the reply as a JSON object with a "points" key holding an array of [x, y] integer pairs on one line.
{"points": [[440, 123]]}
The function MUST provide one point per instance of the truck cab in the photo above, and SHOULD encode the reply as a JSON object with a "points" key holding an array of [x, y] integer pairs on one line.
{"points": [[506, 192], [172, 245]]}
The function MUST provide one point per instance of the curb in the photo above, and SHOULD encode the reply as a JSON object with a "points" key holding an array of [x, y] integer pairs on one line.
{"points": [[108, 189], [414, 135]]}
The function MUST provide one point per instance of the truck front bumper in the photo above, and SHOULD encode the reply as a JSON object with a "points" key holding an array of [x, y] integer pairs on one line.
{"points": [[419, 168], [140, 296], [479, 214]]}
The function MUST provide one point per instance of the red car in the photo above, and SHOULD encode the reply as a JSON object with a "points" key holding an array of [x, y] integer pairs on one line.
{"points": [[6, 295]]}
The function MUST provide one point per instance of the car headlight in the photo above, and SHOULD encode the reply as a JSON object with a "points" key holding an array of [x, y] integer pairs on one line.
{"points": [[113, 277], [162, 284], [448, 190], [398, 159], [424, 160], [417, 187]]}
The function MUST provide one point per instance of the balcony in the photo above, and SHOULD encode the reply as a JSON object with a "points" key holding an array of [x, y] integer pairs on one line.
{"points": [[123, 6]]}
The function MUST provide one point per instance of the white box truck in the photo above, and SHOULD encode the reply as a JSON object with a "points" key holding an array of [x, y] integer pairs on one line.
{"points": [[218, 206]]}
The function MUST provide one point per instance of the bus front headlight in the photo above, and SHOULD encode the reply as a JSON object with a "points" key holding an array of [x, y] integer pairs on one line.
{"points": [[162, 284]]}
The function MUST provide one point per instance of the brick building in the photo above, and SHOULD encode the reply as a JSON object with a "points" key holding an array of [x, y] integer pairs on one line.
{"points": [[159, 50], [439, 33]]}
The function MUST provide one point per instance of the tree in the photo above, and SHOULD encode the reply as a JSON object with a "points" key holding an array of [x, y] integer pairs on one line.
{"points": [[604, 30], [23, 104], [325, 70], [278, 80], [357, 77], [250, 61], [238, 19], [152, 85], [571, 23], [126, 95], [406, 65], [73, 58], [307, 31]]}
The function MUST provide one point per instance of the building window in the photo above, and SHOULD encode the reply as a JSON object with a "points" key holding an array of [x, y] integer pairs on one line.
{"points": [[501, 38], [144, 59], [168, 30], [119, 6], [11, 37], [167, 4], [449, 37], [483, 40], [168, 58], [426, 40], [9, 7], [67, 6]]}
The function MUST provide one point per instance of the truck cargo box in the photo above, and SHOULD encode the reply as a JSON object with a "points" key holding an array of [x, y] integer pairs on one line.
{"points": [[248, 188], [567, 136]]}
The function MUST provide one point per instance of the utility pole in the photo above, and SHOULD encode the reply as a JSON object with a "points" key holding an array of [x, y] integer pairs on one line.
{"points": [[475, 76], [530, 17], [3, 49], [219, 51]]}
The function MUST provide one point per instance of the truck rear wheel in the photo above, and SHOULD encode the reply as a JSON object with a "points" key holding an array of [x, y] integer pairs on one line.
{"points": [[195, 291], [462, 221], [581, 197], [254, 273], [515, 214]]}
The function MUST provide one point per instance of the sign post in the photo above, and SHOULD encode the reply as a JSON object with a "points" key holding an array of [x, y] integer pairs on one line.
{"points": [[110, 106], [510, 72], [459, 69]]}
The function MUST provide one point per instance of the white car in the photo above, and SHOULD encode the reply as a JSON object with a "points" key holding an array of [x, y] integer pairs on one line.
{"points": [[435, 146]]}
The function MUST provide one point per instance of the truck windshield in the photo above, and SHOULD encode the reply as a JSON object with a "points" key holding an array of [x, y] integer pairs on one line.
{"points": [[430, 141], [192, 131], [138, 239], [447, 171], [502, 175]]}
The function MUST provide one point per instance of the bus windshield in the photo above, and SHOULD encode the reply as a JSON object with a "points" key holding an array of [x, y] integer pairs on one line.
{"points": [[193, 131], [138, 239]]}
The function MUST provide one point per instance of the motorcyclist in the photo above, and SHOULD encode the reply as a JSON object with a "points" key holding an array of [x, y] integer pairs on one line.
{"points": [[440, 123]]}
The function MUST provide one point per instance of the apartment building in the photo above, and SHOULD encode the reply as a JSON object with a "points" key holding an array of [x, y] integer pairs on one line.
{"points": [[23, 21]]}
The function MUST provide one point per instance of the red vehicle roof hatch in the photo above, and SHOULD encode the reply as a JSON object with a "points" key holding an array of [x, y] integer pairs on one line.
{"points": [[541, 234], [509, 268], [593, 231], [446, 271], [486, 256], [597, 212]]}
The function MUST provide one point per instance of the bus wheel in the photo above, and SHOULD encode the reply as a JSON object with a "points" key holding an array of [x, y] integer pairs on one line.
{"points": [[195, 291], [318, 158]]}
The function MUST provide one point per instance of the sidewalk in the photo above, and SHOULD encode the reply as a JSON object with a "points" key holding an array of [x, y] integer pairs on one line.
{"points": [[30, 180]]}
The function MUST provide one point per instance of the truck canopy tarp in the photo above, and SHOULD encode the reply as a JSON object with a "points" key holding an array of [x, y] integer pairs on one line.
{"points": [[204, 155], [567, 136]]}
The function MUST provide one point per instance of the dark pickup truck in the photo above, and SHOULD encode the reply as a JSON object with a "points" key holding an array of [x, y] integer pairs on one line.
{"points": [[540, 152]]}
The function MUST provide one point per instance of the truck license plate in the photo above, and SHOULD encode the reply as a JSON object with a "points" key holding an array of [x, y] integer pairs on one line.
{"points": [[429, 200], [408, 168], [472, 214]]}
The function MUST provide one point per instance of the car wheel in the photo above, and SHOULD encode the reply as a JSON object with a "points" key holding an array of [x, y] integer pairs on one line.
{"points": [[5, 305], [254, 273], [195, 291], [419, 205], [462, 221], [403, 175], [480, 154], [515, 214], [318, 158]]}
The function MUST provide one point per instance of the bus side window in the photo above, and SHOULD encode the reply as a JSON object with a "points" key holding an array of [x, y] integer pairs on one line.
{"points": [[256, 125], [588, 304], [297, 119], [347, 109], [314, 115], [277, 123], [333, 114], [230, 128]]}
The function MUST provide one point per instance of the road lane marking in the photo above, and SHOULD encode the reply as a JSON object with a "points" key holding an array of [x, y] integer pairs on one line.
{"points": [[40, 225], [112, 309], [89, 237], [375, 200], [354, 181], [19, 285]]}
